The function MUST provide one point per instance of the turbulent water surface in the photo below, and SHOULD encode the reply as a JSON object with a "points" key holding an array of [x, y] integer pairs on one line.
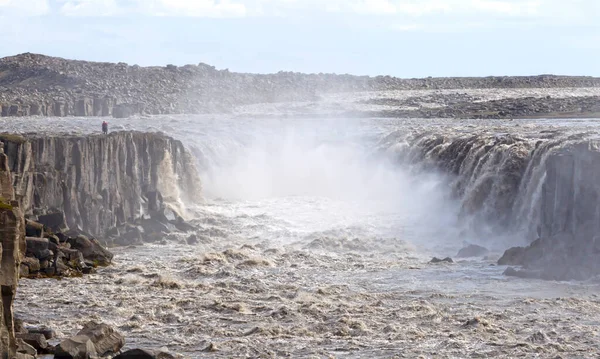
{"points": [[315, 242]]}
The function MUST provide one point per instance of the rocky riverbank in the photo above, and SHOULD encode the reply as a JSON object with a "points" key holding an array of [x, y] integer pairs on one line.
{"points": [[12, 234], [32, 85], [58, 193], [102, 183]]}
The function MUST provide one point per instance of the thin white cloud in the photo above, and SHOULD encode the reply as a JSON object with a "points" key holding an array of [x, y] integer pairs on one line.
{"points": [[181, 8], [24, 8], [377, 7], [581, 12], [439, 27], [89, 8]]}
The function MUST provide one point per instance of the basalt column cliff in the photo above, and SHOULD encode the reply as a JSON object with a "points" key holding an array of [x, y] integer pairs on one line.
{"points": [[540, 187], [101, 183], [12, 240]]}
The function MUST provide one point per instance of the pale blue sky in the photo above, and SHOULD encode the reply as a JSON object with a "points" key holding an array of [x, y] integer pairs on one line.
{"points": [[406, 38]]}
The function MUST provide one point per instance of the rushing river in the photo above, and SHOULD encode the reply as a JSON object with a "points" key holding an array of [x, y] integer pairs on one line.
{"points": [[315, 242]]}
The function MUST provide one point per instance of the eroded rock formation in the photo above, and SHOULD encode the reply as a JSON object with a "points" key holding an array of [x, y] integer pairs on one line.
{"points": [[12, 240], [69, 184], [100, 182], [568, 242], [486, 170], [538, 186]]}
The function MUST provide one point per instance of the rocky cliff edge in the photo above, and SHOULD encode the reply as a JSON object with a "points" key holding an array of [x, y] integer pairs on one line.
{"points": [[100, 184]]}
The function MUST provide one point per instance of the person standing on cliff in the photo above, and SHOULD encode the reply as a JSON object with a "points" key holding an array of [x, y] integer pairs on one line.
{"points": [[105, 127]]}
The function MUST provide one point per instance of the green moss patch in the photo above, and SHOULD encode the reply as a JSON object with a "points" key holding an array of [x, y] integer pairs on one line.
{"points": [[7, 137], [4, 204]]}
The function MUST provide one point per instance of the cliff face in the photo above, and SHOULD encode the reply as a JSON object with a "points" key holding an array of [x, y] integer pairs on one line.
{"points": [[100, 181], [541, 187], [12, 241], [486, 173], [569, 229]]}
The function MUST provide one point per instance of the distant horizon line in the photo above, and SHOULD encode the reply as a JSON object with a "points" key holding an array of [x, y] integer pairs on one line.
{"points": [[298, 72]]}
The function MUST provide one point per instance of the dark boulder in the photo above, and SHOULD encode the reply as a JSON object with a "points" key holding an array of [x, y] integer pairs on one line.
{"points": [[522, 256], [48, 333], [513, 256], [522, 273], [53, 239], [472, 250], [77, 347], [37, 247], [437, 260], [23, 271], [133, 235], [25, 348], [182, 225], [44, 264], [62, 238], [36, 340], [144, 354], [193, 239], [91, 250], [60, 268], [34, 229], [33, 264], [106, 340], [55, 221], [155, 226], [73, 257]]}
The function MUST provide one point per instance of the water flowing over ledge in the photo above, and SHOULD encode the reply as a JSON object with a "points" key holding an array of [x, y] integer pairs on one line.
{"points": [[332, 250], [100, 182], [537, 187]]}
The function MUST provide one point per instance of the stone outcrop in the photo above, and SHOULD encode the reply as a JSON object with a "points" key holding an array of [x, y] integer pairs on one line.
{"points": [[144, 354], [33, 84], [100, 181], [12, 240], [539, 186], [485, 170], [106, 340], [68, 185], [568, 241]]}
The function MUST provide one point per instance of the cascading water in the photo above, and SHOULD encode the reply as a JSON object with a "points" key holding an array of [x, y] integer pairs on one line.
{"points": [[315, 238]]}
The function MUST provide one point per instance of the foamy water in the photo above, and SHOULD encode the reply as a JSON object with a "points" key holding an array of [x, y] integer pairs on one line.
{"points": [[315, 243]]}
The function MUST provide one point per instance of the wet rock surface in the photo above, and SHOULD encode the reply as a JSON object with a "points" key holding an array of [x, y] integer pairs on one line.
{"points": [[568, 221], [91, 184], [255, 296], [47, 257], [12, 248], [144, 354], [435, 260], [472, 250], [77, 347], [106, 340], [54, 240]]}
